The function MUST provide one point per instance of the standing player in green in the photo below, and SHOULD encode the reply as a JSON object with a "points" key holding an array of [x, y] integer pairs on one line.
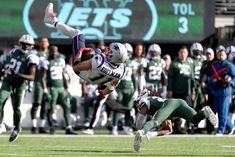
{"points": [[196, 51], [38, 91], [155, 74], [163, 109], [125, 91], [22, 67], [55, 87]]}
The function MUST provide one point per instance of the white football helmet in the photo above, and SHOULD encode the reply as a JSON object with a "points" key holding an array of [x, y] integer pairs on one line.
{"points": [[196, 49], [118, 53], [143, 94], [26, 41], [154, 51], [129, 49]]}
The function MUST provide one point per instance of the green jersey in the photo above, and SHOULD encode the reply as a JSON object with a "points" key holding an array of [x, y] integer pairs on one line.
{"points": [[18, 62], [127, 81], [42, 56], [181, 77], [154, 104], [154, 70], [55, 68], [197, 64]]}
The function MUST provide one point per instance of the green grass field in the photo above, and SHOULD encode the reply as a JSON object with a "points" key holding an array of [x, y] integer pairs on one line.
{"points": [[29, 145]]}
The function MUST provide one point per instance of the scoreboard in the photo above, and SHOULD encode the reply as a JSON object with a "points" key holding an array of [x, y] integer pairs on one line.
{"points": [[118, 20]]}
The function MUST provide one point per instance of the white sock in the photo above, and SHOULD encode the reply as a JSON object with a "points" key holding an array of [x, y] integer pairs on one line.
{"points": [[69, 127], [43, 122], [34, 121], [67, 30], [54, 116]]}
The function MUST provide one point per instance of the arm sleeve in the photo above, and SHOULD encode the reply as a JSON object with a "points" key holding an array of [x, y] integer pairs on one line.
{"points": [[33, 59]]}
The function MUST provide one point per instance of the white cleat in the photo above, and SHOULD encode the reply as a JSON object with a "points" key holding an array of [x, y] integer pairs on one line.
{"points": [[138, 140], [88, 131], [50, 17], [210, 115], [127, 130]]}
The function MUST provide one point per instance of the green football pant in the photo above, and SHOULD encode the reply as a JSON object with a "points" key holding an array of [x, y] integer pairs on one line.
{"points": [[174, 108], [17, 99], [37, 101], [124, 98], [59, 94]]}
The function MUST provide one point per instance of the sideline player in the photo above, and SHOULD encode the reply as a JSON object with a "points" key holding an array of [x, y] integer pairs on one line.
{"points": [[22, 67]]}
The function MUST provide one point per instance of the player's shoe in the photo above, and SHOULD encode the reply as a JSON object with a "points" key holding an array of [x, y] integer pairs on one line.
{"points": [[231, 131], [127, 130], [42, 130], [69, 131], [2, 128], [210, 115], [88, 131], [14, 135], [50, 17], [115, 131], [138, 140], [33, 130]]}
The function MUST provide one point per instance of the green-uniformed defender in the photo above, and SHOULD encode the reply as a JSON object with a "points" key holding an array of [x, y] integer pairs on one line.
{"points": [[22, 67], [38, 91], [55, 87], [126, 90], [162, 109]]}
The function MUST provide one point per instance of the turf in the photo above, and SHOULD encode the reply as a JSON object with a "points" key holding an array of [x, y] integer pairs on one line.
{"points": [[116, 146]]}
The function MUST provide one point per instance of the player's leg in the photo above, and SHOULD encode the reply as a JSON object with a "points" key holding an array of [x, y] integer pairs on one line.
{"points": [[189, 114], [36, 103], [75, 34], [51, 109], [65, 104], [4, 94], [128, 102], [18, 97]]}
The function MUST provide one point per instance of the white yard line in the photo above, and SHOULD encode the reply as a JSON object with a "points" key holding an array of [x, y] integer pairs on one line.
{"points": [[110, 136]]}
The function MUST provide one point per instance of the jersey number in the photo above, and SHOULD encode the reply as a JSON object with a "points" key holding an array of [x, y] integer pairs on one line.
{"points": [[56, 73], [15, 65]]}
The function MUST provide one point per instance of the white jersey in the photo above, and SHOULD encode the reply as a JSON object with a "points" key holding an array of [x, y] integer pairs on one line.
{"points": [[102, 71]]}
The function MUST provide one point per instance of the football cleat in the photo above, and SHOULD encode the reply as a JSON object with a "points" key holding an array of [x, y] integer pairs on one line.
{"points": [[88, 131], [42, 130], [14, 135], [138, 140], [231, 131], [33, 130], [69, 131], [50, 17], [210, 115], [127, 130]]}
